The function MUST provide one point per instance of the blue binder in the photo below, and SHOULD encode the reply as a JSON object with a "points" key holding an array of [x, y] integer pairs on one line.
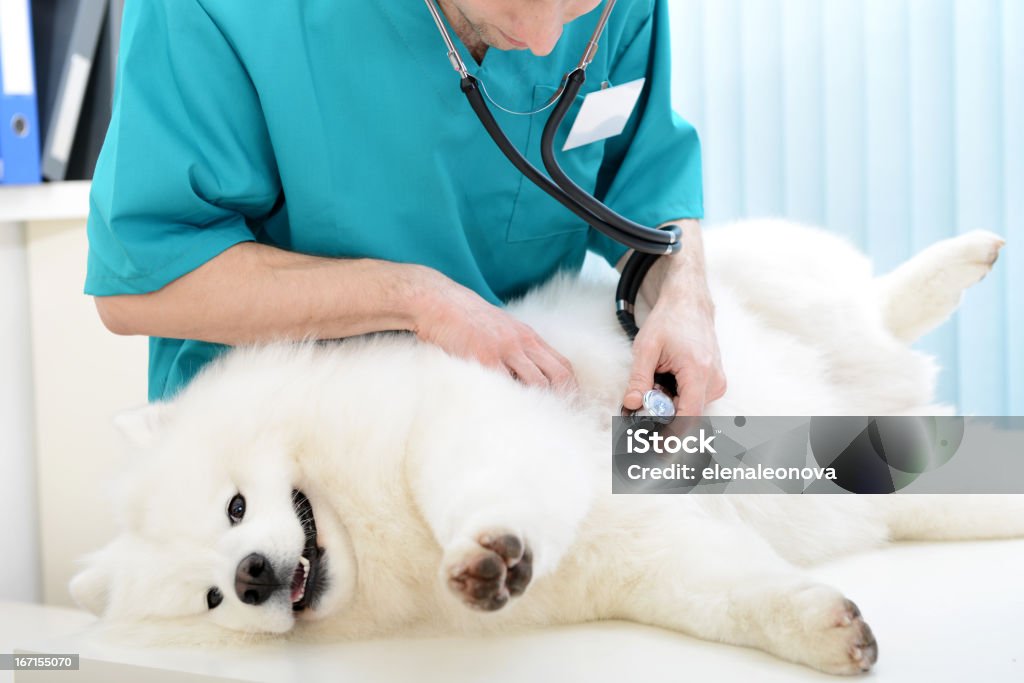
{"points": [[19, 116]]}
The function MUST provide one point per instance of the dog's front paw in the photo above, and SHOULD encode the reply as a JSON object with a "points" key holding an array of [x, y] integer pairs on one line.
{"points": [[489, 571]]}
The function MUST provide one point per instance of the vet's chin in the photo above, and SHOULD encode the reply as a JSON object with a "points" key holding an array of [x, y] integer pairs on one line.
{"points": [[324, 577]]}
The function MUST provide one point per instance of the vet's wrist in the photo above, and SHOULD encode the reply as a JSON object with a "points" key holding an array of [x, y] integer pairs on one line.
{"points": [[683, 271], [419, 296]]}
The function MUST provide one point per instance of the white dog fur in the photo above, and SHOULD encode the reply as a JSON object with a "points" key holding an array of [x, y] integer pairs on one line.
{"points": [[424, 471]]}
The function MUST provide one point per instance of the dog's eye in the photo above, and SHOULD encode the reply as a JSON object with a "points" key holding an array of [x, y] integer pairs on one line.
{"points": [[214, 597], [236, 509]]}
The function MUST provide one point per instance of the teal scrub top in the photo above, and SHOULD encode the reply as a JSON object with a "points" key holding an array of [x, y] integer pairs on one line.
{"points": [[339, 129]]}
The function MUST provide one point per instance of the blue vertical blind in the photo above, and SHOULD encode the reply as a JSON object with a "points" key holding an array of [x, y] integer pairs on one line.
{"points": [[895, 123]]}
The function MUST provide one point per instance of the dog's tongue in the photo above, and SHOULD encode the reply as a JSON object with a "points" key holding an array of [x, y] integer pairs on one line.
{"points": [[299, 580]]}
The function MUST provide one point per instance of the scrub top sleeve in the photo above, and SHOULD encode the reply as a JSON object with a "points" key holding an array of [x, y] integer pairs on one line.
{"points": [[187, 160], [651, 173]]}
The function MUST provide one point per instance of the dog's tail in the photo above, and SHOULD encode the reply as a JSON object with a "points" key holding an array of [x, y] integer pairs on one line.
{"points": [[924, 292]]}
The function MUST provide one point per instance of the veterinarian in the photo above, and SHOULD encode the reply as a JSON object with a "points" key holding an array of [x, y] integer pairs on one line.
{"points": [[311, 170]]}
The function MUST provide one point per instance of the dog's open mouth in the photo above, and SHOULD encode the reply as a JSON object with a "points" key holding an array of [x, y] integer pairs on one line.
{"points": [[309, 580]]}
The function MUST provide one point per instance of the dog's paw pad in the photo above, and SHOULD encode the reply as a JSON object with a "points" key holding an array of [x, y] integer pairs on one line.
{"points": [[517, 558], [497, 567], [851, 636]]}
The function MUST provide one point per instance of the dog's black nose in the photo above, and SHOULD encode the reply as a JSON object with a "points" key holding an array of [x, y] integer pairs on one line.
{"points": [[254, 580]]}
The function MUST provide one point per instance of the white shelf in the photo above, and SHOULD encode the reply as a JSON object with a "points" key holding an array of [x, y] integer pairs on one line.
{"points": [[44, 202]]}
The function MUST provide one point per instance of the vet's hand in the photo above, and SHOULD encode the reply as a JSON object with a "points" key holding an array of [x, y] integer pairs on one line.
{"points": [[465, 325], [678, 337]]}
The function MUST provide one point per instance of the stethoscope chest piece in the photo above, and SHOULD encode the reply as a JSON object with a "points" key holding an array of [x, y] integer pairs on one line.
{"points": [[657, 409]]}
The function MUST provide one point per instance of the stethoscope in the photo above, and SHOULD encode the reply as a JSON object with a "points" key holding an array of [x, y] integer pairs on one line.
{"points": [[648, 244]]}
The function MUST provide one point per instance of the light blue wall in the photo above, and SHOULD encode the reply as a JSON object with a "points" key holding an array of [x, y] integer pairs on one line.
{"points": [[893, 122]]}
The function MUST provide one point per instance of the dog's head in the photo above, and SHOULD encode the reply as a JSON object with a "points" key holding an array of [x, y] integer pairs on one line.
{"points": [[219, 525]]}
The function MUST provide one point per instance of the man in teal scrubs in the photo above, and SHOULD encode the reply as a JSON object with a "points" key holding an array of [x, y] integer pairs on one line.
{"points": [[311, 169]]}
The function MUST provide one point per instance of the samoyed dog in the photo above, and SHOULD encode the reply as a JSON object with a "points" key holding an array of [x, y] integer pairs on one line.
{"points": [[379, 486]]}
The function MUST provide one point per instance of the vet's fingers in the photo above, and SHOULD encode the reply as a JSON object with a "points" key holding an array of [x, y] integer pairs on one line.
{"points": [[525, 370], [641, 378], [692, 395], [556, 368]]}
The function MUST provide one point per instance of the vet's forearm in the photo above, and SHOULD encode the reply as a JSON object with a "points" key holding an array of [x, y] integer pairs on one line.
{"points": [[253, 292]]}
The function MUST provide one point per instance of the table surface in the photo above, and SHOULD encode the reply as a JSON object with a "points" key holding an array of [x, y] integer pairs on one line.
{"points": [[941, 612], [44, 201]]}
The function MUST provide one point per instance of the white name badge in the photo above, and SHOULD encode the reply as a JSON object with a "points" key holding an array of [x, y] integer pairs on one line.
{"points": [[604, 114]]}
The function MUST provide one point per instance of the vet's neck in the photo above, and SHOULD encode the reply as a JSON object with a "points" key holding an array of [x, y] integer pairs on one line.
{"points": [[465, 31]]}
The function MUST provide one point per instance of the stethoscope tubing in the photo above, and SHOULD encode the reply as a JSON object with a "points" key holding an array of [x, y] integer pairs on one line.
{"points": [[632, 238], [630, 280], [566, 192], [648, 244], [661, 241]]}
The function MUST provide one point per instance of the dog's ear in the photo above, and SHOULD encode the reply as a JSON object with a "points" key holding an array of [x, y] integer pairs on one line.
{"points": [[142, 426], [90, 588]]}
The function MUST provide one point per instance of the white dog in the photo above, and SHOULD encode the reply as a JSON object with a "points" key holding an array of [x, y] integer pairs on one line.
{"points": [[379, 486]]}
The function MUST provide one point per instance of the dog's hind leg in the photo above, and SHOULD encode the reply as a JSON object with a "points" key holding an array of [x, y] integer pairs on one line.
{"points": [[722, 582], [922, 293], [955, 517]]}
